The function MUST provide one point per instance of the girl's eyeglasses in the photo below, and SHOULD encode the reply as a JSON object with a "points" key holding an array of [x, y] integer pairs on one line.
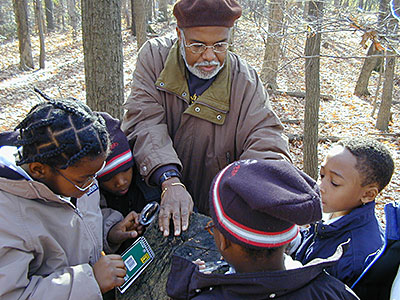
{"points": [[210, 227], [87, 184]]}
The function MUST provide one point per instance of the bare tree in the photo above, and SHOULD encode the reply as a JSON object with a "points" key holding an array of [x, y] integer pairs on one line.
{"points": [[73, 16], [40, 24], [133, 28], [272, 44], [125, 12], [102, 45], [384, 115], [163, 10], [371, 63], [24, 40], [49, 14], [311, 111], [140, 22], [60, 13]]}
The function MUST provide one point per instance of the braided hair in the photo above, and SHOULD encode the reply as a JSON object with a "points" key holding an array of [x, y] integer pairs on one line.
{"points": [[61, 132], [374, 161]]}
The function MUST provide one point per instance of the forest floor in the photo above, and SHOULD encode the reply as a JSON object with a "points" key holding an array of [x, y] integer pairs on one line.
{"points": [[344, 115]]}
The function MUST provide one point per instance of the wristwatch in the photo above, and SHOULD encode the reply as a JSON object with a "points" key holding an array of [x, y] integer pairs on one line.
{"points": [[169, 174]]}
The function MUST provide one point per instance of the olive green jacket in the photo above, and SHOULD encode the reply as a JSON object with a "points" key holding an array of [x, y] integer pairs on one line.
{"points": [[231, 120]]}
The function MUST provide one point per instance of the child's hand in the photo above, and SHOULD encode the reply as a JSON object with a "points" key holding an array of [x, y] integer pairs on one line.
{"points": [[128, 228], [201, 264], [109, 272]]}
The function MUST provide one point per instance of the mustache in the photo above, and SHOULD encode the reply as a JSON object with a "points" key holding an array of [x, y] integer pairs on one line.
{"points": [[207, 64]]}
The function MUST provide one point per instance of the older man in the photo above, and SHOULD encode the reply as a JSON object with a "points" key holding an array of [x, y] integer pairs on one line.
{"points": [[195, 107]]}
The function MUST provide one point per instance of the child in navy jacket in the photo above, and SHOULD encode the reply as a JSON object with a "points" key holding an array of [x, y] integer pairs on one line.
{"points": [[256, 207], [352, 175]]}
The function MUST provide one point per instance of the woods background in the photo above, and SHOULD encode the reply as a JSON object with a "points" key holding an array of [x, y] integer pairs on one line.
{"points": [[329, 66]]}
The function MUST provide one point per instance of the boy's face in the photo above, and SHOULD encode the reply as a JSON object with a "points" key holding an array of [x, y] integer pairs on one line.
{"points": [[119, 183], [340, 182]]}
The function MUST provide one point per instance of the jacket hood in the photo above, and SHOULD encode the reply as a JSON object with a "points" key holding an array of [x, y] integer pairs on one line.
{"points": [[185, 279], [16, 181]]}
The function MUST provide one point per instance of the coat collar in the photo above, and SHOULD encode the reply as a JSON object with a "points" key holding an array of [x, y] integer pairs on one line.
{"points": [[213, 104], [185, 279], [17, 182], [358, 217]]}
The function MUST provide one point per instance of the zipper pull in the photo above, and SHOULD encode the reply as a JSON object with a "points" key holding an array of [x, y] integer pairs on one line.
{"points": [[78, 212]]}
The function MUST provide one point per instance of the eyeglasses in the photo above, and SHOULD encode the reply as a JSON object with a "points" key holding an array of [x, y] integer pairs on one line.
{"points": [[198, 48], [87, 184], [210, 227]]}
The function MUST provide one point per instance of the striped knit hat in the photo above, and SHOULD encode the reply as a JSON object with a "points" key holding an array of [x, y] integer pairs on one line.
{"points": [[259, 203], [120, 159]]}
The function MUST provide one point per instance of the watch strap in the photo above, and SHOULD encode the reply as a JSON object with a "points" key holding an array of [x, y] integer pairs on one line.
{"points": [[169, 174]]}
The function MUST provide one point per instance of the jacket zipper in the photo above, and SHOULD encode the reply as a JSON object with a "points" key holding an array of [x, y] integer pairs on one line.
{"points": [[78, 212]]}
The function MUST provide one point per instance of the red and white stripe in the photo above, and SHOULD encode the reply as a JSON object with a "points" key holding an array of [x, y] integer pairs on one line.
{"points": [[246, 234], [116, 162]]}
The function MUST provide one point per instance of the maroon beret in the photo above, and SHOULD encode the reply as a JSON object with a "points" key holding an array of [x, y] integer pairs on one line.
{"points": [[259, 203], [195, 13]]}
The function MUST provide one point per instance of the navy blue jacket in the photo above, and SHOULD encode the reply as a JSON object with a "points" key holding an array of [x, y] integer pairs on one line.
{"points": [[360, 226], [305, 283], [376, 280]]}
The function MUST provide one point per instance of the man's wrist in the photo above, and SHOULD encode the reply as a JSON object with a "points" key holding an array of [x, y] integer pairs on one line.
{"points": [[168, 175]]}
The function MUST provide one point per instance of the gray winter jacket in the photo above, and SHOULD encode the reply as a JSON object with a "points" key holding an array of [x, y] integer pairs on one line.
{"points": [[47, 244]]}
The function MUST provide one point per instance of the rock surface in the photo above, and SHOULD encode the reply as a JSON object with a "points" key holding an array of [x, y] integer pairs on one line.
{"points": [[192, 244]]}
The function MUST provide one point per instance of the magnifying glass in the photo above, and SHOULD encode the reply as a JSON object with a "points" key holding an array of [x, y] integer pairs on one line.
{"points": [[148, 213]]}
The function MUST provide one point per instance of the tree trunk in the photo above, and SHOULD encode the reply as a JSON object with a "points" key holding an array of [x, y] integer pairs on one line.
{"points": [[24, 40], [140, 22], [384, 115], [311, 111], [40, 25], [73, 16], [272, 46], [232, 38], [133, 28], [149, 10], [60, 14], [192, 244], [371, 63], [163, 9], [2, 15], [125, 10], [102, 45], [49, 14]]}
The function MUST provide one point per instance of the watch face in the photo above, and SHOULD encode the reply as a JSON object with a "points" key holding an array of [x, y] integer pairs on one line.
{"points": [[169, 174]]}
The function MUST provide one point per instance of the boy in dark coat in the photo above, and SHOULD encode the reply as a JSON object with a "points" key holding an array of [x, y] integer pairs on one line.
{"points": [[256, 207], [352, 175], [121, 187]]}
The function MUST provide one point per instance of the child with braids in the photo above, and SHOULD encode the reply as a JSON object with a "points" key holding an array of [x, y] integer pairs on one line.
{"points": [[51, 235]]}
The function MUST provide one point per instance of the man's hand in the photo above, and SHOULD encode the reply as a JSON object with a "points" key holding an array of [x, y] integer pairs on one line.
{"points": [[128, 228], [177, 203], [109, 272]]}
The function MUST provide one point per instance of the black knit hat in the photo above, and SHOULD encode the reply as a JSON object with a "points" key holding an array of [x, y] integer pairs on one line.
{"points": [[120, 159], [194, 13], [259, 203]]}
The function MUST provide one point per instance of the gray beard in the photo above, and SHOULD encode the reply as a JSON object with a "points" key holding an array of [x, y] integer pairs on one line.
{"points": [[198, 72]]}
